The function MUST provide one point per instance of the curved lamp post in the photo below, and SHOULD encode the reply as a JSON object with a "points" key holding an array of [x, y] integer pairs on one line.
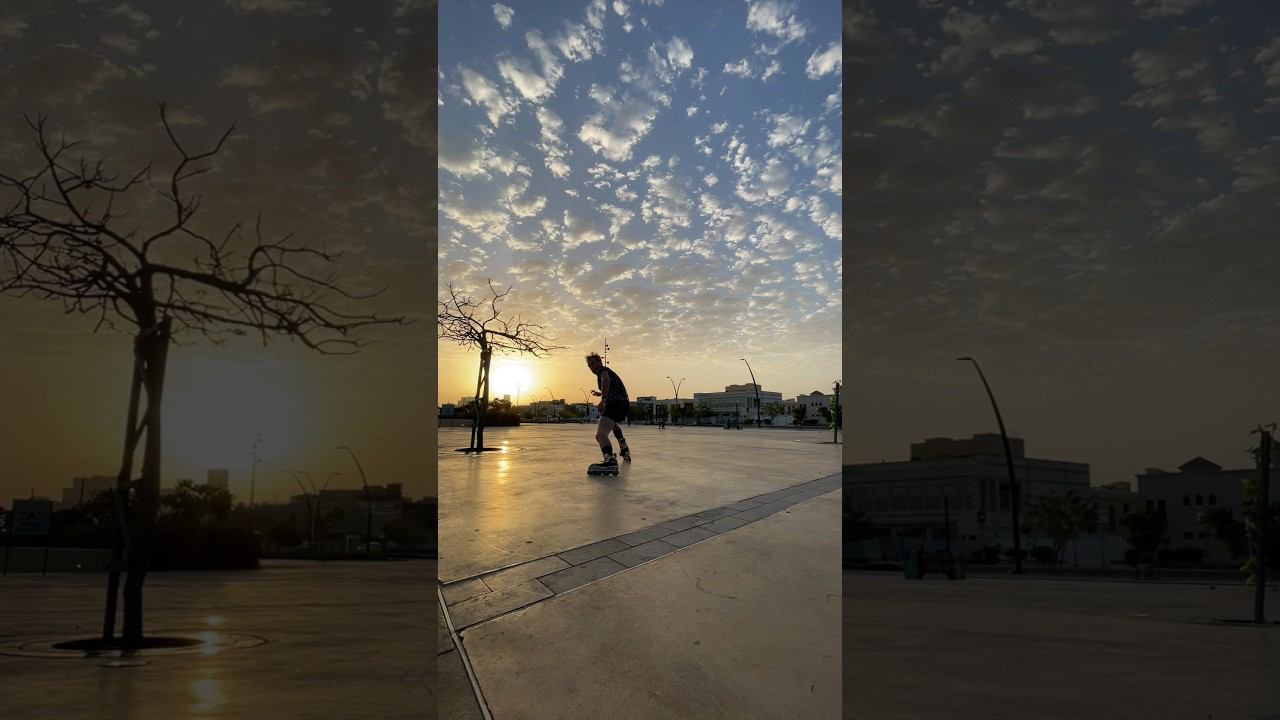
{"points": [[306, 498], [1014, 495], [757, 387], [551, 403], [368, 501], [675, 387]]}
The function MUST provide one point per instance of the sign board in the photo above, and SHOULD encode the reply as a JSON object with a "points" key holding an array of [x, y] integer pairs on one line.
{"points": [[31, 517]]}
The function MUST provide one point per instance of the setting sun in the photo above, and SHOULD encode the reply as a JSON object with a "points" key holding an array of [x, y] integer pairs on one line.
{"points": [[510, 377]]}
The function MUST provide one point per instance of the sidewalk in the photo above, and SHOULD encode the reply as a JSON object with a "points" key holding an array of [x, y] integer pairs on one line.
{"points": [[702, 582], [742, 625], [534, 498]]}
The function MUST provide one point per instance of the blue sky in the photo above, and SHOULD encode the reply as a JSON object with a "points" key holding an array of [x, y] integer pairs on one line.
{"points": [[1081, 195], [667, 176]]}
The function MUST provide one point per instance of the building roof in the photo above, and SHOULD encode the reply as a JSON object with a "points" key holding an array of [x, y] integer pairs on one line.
{"points": [[1199, 464]]}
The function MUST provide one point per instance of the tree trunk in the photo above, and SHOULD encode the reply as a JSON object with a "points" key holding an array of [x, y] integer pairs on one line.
{"points": [[482, 397], [477, 430], [153, 349], [120, 501]]}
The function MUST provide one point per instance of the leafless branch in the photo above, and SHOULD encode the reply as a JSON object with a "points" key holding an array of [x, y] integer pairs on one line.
{"points": [[63, 238], [478, 323]]}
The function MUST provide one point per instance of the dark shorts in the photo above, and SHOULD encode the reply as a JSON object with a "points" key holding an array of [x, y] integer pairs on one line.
{"points": [[616, 410]]}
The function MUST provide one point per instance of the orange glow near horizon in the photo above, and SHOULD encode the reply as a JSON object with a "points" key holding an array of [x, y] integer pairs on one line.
{"points": [[508, 376]]}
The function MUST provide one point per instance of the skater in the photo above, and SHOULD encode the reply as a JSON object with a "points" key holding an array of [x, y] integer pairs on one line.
{"points": [[614, 406]]}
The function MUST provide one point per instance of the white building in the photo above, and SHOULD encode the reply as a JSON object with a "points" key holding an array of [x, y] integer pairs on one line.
{"points": [[811, 403], [1197, 487], [737, 402], [905, 499]]}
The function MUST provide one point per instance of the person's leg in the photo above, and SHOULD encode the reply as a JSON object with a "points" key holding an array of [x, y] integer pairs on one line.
{"points": [[602, 436], [623, 450]]}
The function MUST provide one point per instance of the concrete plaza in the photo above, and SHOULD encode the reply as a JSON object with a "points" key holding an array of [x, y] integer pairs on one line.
{"points": [[996, 648], [702, 582], [309, 640]]}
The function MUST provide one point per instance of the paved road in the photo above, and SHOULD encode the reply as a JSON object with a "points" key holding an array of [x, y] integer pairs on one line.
{"points": [[344, 640], [1020, 648]]}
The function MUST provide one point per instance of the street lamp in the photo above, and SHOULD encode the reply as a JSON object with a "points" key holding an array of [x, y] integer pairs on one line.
{"points": [[315, 504], [1014, 495], [306, 498], [675, 387], [757, 387], [551, 403], [368, 500]]}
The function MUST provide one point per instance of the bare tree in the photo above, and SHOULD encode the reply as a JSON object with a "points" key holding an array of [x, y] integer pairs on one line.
{"points": [[64, 236], [478, 323]]}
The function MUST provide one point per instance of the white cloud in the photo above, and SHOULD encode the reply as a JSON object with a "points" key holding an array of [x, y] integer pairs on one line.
{"points": [[710, 180], [620, 7], [483, 92], [503, 15], [622, 119], [618, 126], [691, 110], [774, 177], [553, 148], [578, 231], [742, 68], [776, 18], [787, 129], [530, 84], [719, 127], [578, 42], [828, 220], [679, 54], [667, 204], [465, 158], [772, 69], [823, 62], [618, 218]]}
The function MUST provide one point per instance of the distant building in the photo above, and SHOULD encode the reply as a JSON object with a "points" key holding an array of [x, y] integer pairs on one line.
{"points": [[737, 402], [447, 410], [590, 411], [547, 408], [1199, 485], [85, 489], [218, 478], [1114, 501], [904, 499], [467, 400], [646, 404]]}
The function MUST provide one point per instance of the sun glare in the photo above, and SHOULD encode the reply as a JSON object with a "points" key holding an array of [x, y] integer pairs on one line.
{"points": [[510, 377]]}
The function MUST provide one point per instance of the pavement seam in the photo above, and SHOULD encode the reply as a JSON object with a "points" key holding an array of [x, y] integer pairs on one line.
{"points": [[462, 655], [715, 534]]}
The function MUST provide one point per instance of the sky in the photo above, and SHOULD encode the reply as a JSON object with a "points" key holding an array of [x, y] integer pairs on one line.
{"points": [[663, 178], [1080, 195], [332, 143]]}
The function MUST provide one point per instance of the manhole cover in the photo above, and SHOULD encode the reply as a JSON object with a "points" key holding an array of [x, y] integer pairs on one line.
{"points": [[168, 643]]}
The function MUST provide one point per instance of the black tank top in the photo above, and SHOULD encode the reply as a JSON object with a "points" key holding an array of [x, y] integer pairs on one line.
{"points": [[617, 390]]}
